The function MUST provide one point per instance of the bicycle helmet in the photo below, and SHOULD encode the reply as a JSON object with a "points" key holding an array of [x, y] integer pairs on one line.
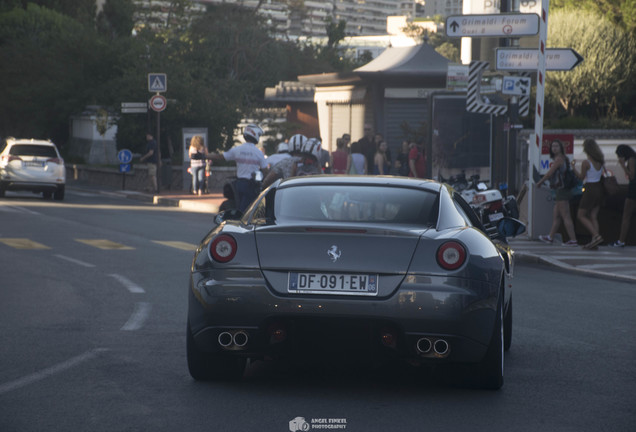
{"points": [[297, 142], [313, 146], [252, 133]]}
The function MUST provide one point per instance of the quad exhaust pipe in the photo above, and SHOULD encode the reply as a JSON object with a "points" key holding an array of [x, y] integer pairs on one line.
{"points": [[233, 339], [429, 346]]}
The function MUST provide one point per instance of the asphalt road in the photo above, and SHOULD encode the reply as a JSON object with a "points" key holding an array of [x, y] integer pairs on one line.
{"points": [[92, 329]]}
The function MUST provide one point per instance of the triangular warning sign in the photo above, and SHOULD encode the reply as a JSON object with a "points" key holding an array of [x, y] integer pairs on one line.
{"points": [[157, 84]]}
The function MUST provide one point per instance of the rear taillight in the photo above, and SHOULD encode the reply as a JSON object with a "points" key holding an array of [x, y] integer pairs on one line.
{"points": [[223, 248], [55, 161], [451, 255], [9, 158]]}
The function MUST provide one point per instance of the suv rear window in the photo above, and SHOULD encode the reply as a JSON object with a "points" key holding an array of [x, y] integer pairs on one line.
{"points": [[32, 150]]}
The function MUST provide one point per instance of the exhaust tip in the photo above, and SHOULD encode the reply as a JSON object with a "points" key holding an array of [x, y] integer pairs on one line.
{"points": [[441, 347], [225, 339], [423, 345], [240, 338]]}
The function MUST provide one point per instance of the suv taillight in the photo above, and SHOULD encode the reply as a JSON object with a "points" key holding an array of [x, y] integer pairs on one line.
{"points": [[55, 161], [9, 158]]}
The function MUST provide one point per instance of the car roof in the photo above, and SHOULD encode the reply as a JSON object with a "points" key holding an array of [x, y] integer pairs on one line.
{"points": [[11, 141], [392, 181]]}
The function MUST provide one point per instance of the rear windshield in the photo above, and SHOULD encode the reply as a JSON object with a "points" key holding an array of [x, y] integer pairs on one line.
{"points": [[356, 203], [33, 150]]}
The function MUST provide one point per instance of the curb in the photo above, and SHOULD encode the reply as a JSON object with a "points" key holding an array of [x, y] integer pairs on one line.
{"points": [[537, 259]]}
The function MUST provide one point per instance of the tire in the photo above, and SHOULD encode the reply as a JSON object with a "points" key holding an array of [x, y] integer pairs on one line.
{"points": [[508, 327], [47, 195], [2, 191], [59, 194], [205, 366], [491, 368]]}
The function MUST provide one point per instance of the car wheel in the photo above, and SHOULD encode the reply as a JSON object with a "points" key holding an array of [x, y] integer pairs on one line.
{"points": [[205, 366], [59, 193], [491, 368], [47, 195], [2, 191], [508, 327]]}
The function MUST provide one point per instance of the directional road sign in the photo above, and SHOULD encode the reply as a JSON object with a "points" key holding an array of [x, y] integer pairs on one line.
{"points": [[134, 107], [158, 103], [157, 82], [496, 25], [556, 59]]}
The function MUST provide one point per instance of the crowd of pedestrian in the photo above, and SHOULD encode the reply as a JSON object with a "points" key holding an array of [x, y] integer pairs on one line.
{"points": [[591, 174]]}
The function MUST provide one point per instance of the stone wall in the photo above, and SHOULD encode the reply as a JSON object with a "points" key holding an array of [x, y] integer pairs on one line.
{"points": [[173, 178]]}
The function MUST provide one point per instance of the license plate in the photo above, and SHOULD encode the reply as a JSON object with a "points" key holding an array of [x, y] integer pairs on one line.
{"points": [[330, 283], [495, 216], [34, 164]]}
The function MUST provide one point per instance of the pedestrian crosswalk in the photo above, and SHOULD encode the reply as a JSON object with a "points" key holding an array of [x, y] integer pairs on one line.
{"points": [[103, 244]]}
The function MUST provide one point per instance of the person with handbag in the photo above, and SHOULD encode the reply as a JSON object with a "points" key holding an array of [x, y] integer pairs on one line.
{"points": [[590, 204], [627, 161], [561, 212]]}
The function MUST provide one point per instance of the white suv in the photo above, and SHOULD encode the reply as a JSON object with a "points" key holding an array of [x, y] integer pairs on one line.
{"points": [[32, 165]]}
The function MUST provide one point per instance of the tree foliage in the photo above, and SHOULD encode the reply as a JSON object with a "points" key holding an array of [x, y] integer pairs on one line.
{"points": [[599, 84], [619, 12]]}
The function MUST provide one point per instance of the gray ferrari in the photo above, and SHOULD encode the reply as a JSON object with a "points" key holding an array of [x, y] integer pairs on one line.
{"points": [[352, 268]]}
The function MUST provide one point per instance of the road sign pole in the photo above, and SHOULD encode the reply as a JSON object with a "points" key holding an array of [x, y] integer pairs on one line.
{"points": [[535, 160], [158, 151]]}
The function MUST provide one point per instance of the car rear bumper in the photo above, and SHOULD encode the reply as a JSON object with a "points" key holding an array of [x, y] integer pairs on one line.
{"points": [[455, 311], [30, 186]]}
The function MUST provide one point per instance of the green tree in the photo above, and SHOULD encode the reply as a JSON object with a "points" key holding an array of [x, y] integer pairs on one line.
{"points": [[83, 11], [599, 84], [52, 67], [620, 12]]}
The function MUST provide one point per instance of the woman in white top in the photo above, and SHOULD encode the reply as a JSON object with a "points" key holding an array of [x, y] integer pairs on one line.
{"points": [[357, 163], [197, 152], [590, 205]]}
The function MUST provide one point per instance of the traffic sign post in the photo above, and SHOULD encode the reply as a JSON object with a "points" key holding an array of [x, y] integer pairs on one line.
{"points": [[125, 157], [518, 59], [496, 25]]}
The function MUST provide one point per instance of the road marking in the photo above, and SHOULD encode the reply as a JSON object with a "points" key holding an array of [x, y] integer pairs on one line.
{"points": [[22, 243], [178, 245], [76, 261], [130, 285], [138, 317], [50, 371], [104, 244]]}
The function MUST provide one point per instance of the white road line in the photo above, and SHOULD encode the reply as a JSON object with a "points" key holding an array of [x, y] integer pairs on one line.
{"points": [[75, 261], [138, 317], [18, 209], [130, 285], [50, 371]]}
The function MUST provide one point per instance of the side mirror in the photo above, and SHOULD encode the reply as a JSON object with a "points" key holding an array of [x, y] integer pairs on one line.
{"points": [[227, 215], [510, 227]]}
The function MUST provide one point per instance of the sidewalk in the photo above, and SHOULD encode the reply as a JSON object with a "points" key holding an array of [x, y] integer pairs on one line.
{"points": [[605, 262]]}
